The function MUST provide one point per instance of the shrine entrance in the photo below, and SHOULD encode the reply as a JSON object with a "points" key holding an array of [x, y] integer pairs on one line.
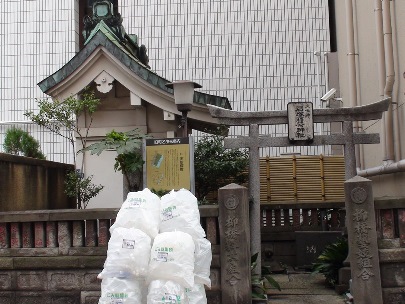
{"points": [[300, 117]]}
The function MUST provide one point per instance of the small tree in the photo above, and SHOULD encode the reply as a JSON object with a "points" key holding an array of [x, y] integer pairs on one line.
{"points": [[216, 166], [129, 157], [59, 116], [20, 142]]}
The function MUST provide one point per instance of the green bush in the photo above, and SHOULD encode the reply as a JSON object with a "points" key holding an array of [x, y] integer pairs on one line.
{"points": [[331, 260], [20, 142], [215, 166], [259, 282], [81, 188]]}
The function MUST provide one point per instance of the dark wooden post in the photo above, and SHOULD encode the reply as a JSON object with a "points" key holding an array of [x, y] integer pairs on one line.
{"points": [[363, 254], [234, 233]]}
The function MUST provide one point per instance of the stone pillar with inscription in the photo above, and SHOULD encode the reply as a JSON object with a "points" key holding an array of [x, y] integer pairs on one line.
{"points": [[363, 254], [235, 244]]}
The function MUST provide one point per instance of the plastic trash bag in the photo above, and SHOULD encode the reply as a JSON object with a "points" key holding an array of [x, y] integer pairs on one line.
{"points": [[128, 250], [140, 210], [172, 258], [202, 264], [122, 288], [196, 294], [165, 292], [179, 212]]}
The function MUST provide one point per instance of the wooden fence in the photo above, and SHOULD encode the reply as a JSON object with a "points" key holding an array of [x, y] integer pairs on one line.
{"points": [[300, 179]]}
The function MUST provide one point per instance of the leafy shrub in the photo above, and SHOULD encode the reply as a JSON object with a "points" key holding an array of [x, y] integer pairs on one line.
{"points": [[259, 282], [215, 166], [81, 187], [129, 156], [62, 118], [20, 142], [331, 260]]}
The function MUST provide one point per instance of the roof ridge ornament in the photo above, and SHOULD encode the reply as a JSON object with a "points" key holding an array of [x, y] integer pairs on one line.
{"points": [[107, 11]]}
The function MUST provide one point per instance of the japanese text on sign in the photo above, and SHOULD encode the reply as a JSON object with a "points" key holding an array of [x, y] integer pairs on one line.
{"points": [[300, 121]]}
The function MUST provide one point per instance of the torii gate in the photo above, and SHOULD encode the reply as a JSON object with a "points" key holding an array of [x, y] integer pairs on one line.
{"points": [[254, 141]]}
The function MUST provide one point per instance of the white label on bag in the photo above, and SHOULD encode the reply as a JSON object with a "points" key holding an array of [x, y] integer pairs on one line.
{"points": [[170, 298], [162, 256], [128, 244], [169, 213], [135, 202]]}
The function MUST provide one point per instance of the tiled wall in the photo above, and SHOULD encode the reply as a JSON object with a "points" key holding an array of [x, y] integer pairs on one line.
{"points": [[36, 39], [259, 54]]}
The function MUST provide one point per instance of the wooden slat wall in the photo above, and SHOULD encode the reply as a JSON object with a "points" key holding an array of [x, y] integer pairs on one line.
{"points": [[302, 178]]}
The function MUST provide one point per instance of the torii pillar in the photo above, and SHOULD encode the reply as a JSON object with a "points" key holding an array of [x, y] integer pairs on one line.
{"points": [[253, 119]]}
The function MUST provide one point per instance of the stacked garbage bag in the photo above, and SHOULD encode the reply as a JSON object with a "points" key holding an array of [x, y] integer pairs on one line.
{"points": [[157, 252]]}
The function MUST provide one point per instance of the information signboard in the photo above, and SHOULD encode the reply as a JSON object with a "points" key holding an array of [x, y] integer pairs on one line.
{"points": [[169, 164]]}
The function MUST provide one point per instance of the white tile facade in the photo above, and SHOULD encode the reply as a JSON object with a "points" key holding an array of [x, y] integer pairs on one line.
{"points": [[260, 54], [37, 37]]}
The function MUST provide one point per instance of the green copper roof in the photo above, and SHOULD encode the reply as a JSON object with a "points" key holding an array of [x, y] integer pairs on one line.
{"points": [[103, 36]]}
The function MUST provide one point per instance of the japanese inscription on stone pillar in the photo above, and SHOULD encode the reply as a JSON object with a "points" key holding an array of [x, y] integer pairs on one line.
{"points": [[300, 121], [235, 249], [232, 231], [362, 240], [363, 253]]}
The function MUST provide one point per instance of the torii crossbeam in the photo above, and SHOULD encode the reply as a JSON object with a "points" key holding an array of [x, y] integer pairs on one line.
{"points": [[254, 141]]}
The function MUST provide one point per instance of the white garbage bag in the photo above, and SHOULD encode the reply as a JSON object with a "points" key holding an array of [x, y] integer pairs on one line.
{"points": [[179, 212], [123, 288], [128, 250], [196, 294], [165, 292], [202, 265], [172, 258], [140, 210]]}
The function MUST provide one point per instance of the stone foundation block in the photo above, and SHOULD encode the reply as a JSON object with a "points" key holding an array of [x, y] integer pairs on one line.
{"points": [[32, 280], [393, 275], [6, 281], [394, 295], [91, 282], [7, 297], [6, 263], [65, 280], [90, 297], [59, 297]]}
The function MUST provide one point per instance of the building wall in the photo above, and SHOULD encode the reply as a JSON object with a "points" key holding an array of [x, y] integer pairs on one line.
{"points": [[259, 54], [36, 39], [368, 85]]}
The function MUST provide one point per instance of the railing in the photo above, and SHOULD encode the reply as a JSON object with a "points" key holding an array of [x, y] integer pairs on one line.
{"points": [[314, 216], [69, 246], [62, 232], [57, 232]]}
